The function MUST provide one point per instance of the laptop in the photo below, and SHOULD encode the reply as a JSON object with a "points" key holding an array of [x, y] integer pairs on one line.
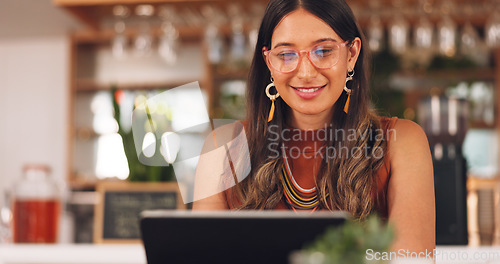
{"points": [[171, 236]]}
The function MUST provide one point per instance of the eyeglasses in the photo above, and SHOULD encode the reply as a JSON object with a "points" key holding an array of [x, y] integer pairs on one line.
{"points": [[323, 56]]}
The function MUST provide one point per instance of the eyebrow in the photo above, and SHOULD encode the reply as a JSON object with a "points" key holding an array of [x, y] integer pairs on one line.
{"points": [[288, 44]]}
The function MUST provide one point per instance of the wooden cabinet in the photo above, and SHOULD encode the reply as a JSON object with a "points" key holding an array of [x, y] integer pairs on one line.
{"points": [[95, 73]]}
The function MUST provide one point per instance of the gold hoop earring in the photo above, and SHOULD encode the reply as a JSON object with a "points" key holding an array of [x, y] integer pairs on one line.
{"points": [[272, 98], [348, 91]]}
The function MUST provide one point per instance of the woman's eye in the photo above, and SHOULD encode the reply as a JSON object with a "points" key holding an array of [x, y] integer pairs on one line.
{"points": [[323, 52], [287, 55]]}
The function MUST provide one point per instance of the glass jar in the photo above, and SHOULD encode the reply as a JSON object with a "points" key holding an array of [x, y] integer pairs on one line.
{"points": [[36, 206]]}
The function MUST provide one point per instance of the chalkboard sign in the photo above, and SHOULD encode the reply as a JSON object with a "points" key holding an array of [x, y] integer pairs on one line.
{"points": [[120, 203]]}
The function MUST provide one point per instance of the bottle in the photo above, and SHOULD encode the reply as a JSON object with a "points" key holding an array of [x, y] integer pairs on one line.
{"points": [[36, 206]]}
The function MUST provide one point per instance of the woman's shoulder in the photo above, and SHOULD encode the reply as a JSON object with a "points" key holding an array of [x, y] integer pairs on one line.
{"points": [[402, 129], [404, 136], [396, 127], [388, 122]]}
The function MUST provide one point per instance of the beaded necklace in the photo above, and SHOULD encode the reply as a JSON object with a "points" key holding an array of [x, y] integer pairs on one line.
{"points": [[295, 196]]}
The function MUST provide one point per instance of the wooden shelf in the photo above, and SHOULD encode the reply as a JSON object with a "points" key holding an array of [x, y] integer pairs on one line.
{"points": [[104, 36], [118, 2], [92, 12], [90, 85]]}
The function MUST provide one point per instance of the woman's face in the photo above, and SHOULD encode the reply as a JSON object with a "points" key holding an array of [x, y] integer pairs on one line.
{"points": [[310, 91]]}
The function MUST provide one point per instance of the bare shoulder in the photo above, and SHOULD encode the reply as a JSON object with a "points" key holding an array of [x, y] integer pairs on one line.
{"points": [[407, 136], [406, 131], [411, 187], [213, 170], [409, 150], [222, 134]]}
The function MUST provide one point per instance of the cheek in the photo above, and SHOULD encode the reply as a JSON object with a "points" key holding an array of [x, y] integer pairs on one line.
{"points": [[337, 77], [280, 79], [337, 80]]}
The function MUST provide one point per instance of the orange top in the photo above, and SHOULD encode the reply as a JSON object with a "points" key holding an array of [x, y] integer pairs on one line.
{"points": [[305, 151]]}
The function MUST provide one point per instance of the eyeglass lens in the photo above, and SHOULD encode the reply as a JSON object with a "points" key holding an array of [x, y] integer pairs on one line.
{"points": [[286, 59]]}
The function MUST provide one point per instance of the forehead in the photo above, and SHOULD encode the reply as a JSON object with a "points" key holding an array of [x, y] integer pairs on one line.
{"points": [[301, 28]]}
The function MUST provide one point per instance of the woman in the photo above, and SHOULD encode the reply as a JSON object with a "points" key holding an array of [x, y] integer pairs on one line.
{"points": [[314, 144]]}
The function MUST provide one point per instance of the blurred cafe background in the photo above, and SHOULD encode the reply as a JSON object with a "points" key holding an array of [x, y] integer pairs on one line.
{"points": [[73, 71]]}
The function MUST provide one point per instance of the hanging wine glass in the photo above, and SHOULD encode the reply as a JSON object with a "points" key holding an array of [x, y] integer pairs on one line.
{"points": [[398, 29], [447, 31], [238, 42], [214, 43], [375, 30], [212, 38], [375, 34], [423, 34], [168, 43], [423, 37], [469, 39], [257, 12], [169, 38], [144, 40], [472, 46], [119, 41], [398, 35], [492, 30]]}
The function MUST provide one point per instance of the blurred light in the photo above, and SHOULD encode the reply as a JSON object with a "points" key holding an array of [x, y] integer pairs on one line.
{"points": [[105, 124], [140, 101], [447, 31], [492, 30], [452, 116], [399, 35], [111, 159], [423, 34], [167, 46], [375, 34], [101, 106], [144, 39], [119, 42], [409, 113], [438, 151], [435, 114]]}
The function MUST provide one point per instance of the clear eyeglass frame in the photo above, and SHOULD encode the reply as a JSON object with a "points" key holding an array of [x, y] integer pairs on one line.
{"points": [[268, 53]]}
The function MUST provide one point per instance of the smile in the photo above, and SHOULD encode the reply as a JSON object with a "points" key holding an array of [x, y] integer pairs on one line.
{"points": [[308, 89], [308, 92]]}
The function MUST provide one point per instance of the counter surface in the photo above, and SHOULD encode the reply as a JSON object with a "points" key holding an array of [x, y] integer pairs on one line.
{"points": [[72, 254], [134, 254]]}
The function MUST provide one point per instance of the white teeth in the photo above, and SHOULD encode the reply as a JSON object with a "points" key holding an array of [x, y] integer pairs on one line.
{"points": [[308, 90]]}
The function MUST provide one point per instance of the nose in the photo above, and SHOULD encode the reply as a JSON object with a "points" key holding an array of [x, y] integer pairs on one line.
{"points": [[306, 70]]}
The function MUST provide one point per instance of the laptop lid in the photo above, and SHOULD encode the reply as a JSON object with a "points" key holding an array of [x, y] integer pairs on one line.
{"points": [[230, 236]]}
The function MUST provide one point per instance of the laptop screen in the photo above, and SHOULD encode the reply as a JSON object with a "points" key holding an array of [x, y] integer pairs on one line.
{"points": [[230, 236]]}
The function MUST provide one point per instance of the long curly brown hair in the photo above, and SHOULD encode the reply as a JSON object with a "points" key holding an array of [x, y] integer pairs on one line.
{"points": [[350, 182]]}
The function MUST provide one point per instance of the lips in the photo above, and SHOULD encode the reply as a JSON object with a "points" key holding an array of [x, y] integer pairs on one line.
{"points": [[308, 92]]}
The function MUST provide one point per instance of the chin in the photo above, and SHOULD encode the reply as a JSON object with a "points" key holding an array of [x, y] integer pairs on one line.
{"points": [[313, 112]]}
